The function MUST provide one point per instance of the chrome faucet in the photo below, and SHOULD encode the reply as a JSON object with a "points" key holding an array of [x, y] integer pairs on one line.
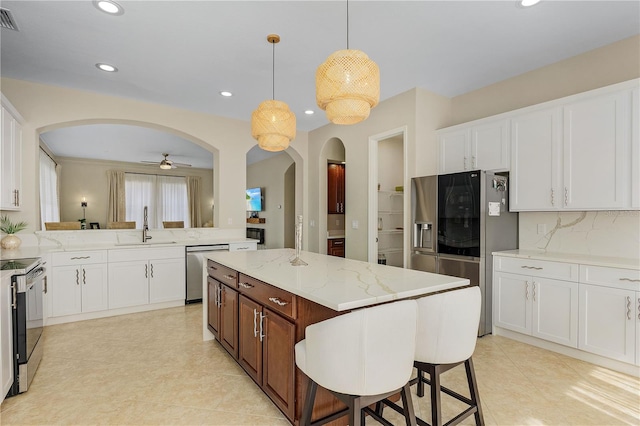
{"points": [[145, 226]]}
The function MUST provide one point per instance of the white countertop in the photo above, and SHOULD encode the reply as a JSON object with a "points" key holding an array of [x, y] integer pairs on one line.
{"points": [[612, 262], [337, 283]]}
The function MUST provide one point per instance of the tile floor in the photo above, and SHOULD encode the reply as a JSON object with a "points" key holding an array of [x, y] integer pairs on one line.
{"points": [[154, 368]]}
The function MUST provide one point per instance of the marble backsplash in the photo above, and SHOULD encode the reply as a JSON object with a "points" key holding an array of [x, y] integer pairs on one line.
{"points": [[602, 233]]}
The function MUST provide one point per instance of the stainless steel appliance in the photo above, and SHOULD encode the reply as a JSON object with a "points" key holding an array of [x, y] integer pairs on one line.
{"points": [[28, 283], [195, 260], [459, 219]]}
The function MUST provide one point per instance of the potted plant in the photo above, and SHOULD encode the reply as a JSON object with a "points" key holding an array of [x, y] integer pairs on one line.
{"points": [[10, 241]]}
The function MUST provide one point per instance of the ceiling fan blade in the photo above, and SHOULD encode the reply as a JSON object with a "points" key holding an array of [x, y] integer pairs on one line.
{"points": [[150, 162], [181, 164]]}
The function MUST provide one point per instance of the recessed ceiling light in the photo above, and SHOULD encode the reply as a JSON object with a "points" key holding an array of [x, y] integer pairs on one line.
{"points": [[309, 112], [107, 67], [226, 94], [528, 3], [109, 7]]}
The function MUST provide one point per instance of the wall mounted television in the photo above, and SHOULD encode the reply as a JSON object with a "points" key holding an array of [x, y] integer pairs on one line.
{"points": [[254, 200]]}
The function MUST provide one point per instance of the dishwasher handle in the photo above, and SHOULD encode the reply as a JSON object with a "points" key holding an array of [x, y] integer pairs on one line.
{"points": [[216, 247]]}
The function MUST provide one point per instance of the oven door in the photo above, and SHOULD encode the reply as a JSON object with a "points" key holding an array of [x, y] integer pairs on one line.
{"points": [[29, 318], [459, 214]]}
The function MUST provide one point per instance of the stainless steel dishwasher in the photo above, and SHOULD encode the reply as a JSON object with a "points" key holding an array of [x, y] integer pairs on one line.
{"points": [[195, 260]]}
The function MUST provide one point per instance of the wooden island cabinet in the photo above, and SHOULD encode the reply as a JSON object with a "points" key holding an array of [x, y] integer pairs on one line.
{"points": [[259, 323]]}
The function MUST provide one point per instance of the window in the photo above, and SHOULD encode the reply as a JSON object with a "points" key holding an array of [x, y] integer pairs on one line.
{"points": [[165, 197], [49, 204]]}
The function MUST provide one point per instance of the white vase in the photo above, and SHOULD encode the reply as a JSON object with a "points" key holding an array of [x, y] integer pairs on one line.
{"points": [[10, 242]]}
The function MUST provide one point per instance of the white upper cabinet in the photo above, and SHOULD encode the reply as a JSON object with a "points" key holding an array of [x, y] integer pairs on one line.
{"points": [[482, 146], [535, 161], [454, 150], [10, 157], [490, 146], [597, 152]]}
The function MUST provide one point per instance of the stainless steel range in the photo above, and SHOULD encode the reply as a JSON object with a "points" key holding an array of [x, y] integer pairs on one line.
{"points": [[28, 284]]}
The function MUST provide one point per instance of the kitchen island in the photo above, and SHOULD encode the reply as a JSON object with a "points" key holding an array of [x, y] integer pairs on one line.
{"points": [[258, 306]]}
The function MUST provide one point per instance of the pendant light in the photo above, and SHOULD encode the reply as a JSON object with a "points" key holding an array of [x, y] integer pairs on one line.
{"points": [[347, 85], [273, 124]]}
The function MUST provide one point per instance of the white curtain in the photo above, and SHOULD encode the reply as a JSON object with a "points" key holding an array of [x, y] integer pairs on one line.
{"points": [[165, 197], [49, 203], [140, 192], [171, 200]]}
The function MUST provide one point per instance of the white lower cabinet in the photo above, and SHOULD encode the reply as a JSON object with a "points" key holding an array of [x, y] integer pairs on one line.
{"points": [[540, 307], [607, 322], [595, 309], [78, 283], [78, 289], [147, 275], [6, 336]]}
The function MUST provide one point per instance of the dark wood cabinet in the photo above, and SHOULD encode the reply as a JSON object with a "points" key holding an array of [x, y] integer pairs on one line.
{"points": [[213, 316], [250, 346], [336, 188], [278, 361], [259, 325], [229, 320], [335, 247]]}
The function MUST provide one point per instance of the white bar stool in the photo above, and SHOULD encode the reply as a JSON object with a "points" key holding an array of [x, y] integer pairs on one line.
{"points": [[446, 337], [361, 357]]}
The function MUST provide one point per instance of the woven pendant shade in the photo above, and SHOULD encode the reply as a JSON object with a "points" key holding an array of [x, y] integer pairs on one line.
{"points": [[273, 125], [347, 86]]}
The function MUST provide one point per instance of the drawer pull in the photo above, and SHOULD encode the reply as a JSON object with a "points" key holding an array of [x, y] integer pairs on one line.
{"points": [[532, 267], [245, 285], [213, 267], [630, 280], [628, 307], [80, 257], [242, 248], [278, 301], [338, 243], [229, 277]]}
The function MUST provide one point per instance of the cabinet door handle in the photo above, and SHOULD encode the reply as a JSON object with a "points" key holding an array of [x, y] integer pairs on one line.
{"points": [[146, 271], [77, 277], [464, 162], [152, 270], [17, 197], [628, 307], [566, 196], [219, 296], [474, 161], [552, 202], [262, 335], [245, 285], [255, 323], [630, 280], [526, 290], [14, 288], [229, 277], [639, 308], [278, 301], [84, 276], [534, 291]]}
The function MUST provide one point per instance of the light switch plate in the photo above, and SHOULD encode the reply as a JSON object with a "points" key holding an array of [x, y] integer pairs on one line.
{"points": [[229, 221], [355, 224]]}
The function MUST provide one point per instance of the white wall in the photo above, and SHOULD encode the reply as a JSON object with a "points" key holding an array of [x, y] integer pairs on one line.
{"points": [[269, 174]]}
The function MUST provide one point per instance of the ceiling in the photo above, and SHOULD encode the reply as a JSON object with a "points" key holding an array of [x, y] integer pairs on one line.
{"points": [[183, 53]]}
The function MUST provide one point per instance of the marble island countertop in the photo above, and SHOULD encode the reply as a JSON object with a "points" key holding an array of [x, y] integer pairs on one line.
{"points": [[613, 262], [337, 283]]}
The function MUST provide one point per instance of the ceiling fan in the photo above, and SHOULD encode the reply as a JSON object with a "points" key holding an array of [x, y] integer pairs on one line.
{"points": [[166, 164]]}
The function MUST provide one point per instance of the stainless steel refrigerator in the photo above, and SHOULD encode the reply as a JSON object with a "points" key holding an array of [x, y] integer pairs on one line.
{"points": [[458, 220]]}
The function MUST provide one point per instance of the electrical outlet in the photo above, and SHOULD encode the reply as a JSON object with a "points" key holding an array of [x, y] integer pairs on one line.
{"points": [[355, 224], [542, 229], [312, 223], [229, 221]]}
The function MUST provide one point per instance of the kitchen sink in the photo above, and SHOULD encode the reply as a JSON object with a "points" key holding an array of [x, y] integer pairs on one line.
{"points": [[148, 243]]}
